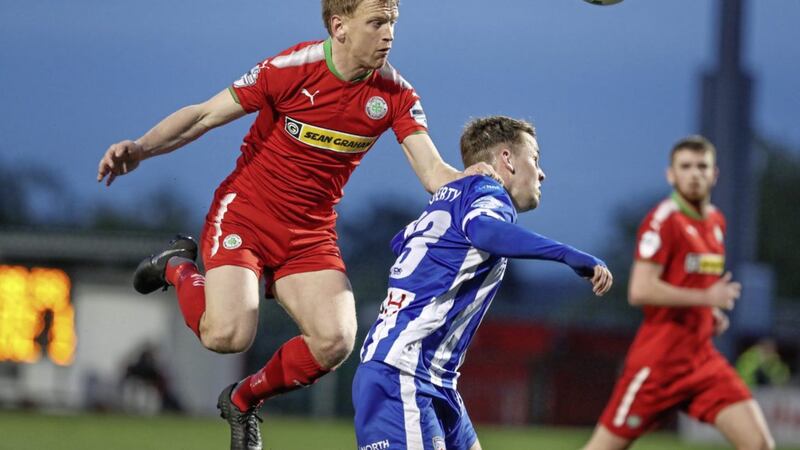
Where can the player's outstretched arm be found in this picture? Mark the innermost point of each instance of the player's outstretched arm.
(647, 288)
(431, 169)
(513, 241)
(175, 131)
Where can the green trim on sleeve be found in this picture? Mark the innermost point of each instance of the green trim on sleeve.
(234, 95)
(685, 207)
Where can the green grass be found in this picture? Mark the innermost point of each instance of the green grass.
(30, 431)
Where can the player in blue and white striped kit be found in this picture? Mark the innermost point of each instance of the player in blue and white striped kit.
(450, 262)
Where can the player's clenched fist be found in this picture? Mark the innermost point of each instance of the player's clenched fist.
(119, 159)
(602, 280)
(724, 292)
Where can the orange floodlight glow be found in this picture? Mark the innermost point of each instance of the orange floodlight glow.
(25, 297)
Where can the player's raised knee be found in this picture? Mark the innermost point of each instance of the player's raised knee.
(331, 350)
(225, 340)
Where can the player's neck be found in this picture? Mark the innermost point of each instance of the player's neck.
(695, 209)
(342, 64)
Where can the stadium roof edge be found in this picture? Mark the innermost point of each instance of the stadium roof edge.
(120, 248)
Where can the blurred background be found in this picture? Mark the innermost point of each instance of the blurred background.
(610, 89)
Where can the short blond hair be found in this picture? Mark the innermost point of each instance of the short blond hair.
(332, 8)
(694, 143)
(481, 135)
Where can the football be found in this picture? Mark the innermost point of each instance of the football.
(603, 2)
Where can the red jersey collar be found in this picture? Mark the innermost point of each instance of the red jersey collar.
(328, 46)
(685, 207)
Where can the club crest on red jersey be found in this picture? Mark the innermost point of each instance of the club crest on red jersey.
(232, 241)
(634, 421)
(377, 108)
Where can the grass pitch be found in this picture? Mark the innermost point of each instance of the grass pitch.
(30, 431)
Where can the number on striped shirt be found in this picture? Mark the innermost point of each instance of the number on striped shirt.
(426, 230)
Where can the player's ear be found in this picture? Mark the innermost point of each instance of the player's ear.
(507, 159)
(670, 176)
(338, 28)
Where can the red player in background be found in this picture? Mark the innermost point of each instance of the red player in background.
(679, 280)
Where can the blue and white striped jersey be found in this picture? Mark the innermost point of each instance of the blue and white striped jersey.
(440, 286)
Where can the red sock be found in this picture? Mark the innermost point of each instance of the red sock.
(291, 367)
(190, 286)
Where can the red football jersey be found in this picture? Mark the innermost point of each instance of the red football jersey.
(312, 130)
(691, 249)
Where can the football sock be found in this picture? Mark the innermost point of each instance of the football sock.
(291, 367)
(190, 286)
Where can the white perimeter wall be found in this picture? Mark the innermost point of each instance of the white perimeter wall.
(112, 323)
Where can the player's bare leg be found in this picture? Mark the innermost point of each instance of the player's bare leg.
(602, 439)
(229, 325)
(221, 308)
(322, 305)
(744, 426)
(230, 321)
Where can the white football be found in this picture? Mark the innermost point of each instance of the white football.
(603, 2)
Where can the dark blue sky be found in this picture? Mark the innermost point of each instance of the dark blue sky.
(609, 89)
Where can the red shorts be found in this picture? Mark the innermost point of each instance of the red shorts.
(644, 397)
(237, 234)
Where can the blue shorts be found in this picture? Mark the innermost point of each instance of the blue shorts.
(398, 411)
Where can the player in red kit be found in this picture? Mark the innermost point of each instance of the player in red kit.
(679, 280)
(321, 106)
